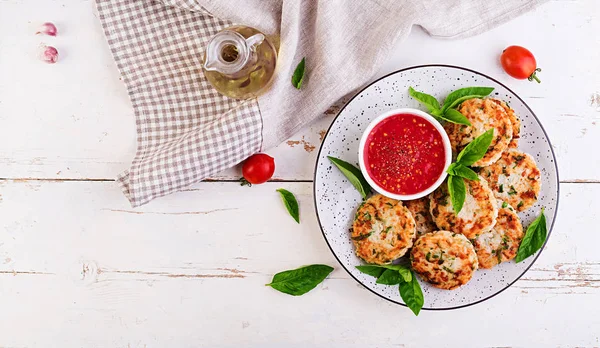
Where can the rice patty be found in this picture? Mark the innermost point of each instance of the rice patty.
(514, 121)
(477, 216)
(484, 114)
(383, 230)
(515, 179)
(446, 260)
(502, 242)
(419, 208)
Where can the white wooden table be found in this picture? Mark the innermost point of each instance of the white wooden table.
(80, 268)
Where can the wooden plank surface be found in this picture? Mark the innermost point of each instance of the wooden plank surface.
(93, 272)
(72, 120)
(80, 268)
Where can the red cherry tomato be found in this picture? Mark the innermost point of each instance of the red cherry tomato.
(519, 63)
(257, 169)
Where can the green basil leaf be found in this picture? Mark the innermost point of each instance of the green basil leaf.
(291, 203)
(372, 270)
(298, 76)
(353, 174)
(390, 277)
(534, 238)
(476, 149)
(454, 116)
(428, 100)
(458, 169)
(457, 191)
(299, 281)
(460, 95)
(412, 294)
(404, 271)
(377, 270)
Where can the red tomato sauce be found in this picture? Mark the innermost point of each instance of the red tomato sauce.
(404, 154)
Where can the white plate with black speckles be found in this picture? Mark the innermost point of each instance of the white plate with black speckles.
(336, 199)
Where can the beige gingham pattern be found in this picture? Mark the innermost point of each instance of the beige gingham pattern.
(186, 131)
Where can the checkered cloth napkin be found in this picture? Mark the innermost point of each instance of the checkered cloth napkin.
(186, 131)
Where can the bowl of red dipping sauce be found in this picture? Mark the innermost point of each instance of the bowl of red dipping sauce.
(404, 154)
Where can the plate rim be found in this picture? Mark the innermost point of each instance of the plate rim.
(474, 72)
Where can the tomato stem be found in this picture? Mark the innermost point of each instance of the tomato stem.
(533, 76)
(244, 182)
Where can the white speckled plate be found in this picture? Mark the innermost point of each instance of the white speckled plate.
(336, 199)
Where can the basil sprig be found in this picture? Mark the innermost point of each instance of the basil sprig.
(299, 281)
(459, 170)
(354, 175)
(412, 294)
(460, 95)
(291, 204)
(298, 76)
(400, 275)
(447, 111)
(534, 238)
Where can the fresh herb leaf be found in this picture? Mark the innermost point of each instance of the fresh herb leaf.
(367, 216)
(520, 205)
(371, 270)
(428, 100)
(291, 203)
(447, 269)
(454, 116)
(402, 270)
(460, 95)
(390, 277)
(412, 294)
(457, 191)
(363, 236)
(458, 169)
(501, 188)
(298, 76)
(476, 149)
(504, 204)
(299, 281)
(534, 238)
(512, 190)
(354, 176)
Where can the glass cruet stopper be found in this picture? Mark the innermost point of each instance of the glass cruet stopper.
(228, 52)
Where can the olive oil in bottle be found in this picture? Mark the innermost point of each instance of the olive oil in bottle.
(239, 62)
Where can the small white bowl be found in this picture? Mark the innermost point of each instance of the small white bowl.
(415, 112)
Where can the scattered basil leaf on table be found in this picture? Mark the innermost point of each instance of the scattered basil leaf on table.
(428, 100)
(476, 149)
(298, 76)
(291, 204)
(534, 238)
(454, 116)
(354, 175)
(299, 281)
(462, 94)
(412, 294)
(457, 191)
(458, 169)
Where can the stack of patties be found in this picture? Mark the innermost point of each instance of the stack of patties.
(448, 248)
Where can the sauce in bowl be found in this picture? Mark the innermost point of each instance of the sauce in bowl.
(404, 154)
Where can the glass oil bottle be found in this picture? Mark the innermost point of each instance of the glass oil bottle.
(239, 62)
